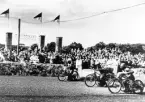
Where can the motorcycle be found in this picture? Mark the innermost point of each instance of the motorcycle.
(100, 77)
(68, 74)
(126, 84)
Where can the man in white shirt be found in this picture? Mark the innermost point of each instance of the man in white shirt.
(2, 58)
(113, 63)
(79, 65)
(34, 59)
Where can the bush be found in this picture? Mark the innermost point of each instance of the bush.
(30, 69)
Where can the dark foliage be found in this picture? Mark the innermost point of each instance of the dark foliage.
(33, 46)
(133, 48)
(50, 47)
(74, 45)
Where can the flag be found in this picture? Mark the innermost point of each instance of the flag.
(57, 19)
(6, 13)
(39, 16)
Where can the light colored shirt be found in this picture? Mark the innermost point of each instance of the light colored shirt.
(2, 58)
(78, 63)
(34, 59)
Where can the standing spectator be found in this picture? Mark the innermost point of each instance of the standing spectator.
(79, 65)
(92, 63)
(2, 58)
(34, 59)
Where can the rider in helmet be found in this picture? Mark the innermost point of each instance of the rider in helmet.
(125, 69)
(71, 67)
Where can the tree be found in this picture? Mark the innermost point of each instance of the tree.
(33, 46)
(50, 47)
(74, 45)
(111, 45)
(90, 49)
(100, 45)
(66, 49)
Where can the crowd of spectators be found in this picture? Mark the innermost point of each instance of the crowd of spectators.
(88, 58)
(81, 59)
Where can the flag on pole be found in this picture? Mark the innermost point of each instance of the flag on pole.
(57, 19)
(39, 16)
(6, 13)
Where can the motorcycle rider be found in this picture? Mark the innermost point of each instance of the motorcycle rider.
(71, 67)
(124, 68)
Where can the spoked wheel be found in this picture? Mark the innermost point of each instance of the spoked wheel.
(90, 80)
(138, 87)
(62, 75)
(114, 86)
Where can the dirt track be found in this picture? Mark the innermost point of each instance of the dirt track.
(48, 89)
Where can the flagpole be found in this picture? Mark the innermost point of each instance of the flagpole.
(58, 32)
(8, 28)
(41, 17)
(58, 24)
(19, 28)
(41, 33)
(8, 15)
(58, 28)
(8, 20)
(8, 23)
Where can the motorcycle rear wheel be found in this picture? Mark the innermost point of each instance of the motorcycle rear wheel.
(62, 76)
(75, 75)
(90, 80)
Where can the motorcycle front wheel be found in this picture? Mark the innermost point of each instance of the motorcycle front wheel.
(114, 86)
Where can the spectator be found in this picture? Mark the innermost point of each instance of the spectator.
(34, 59)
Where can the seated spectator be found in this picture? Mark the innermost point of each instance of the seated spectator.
(34, 59)
(22, 61)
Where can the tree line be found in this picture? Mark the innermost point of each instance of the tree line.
(133, 48)
(50, 47)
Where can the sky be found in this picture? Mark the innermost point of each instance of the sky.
(125, 26)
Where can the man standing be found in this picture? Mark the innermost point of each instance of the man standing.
(79, 65)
